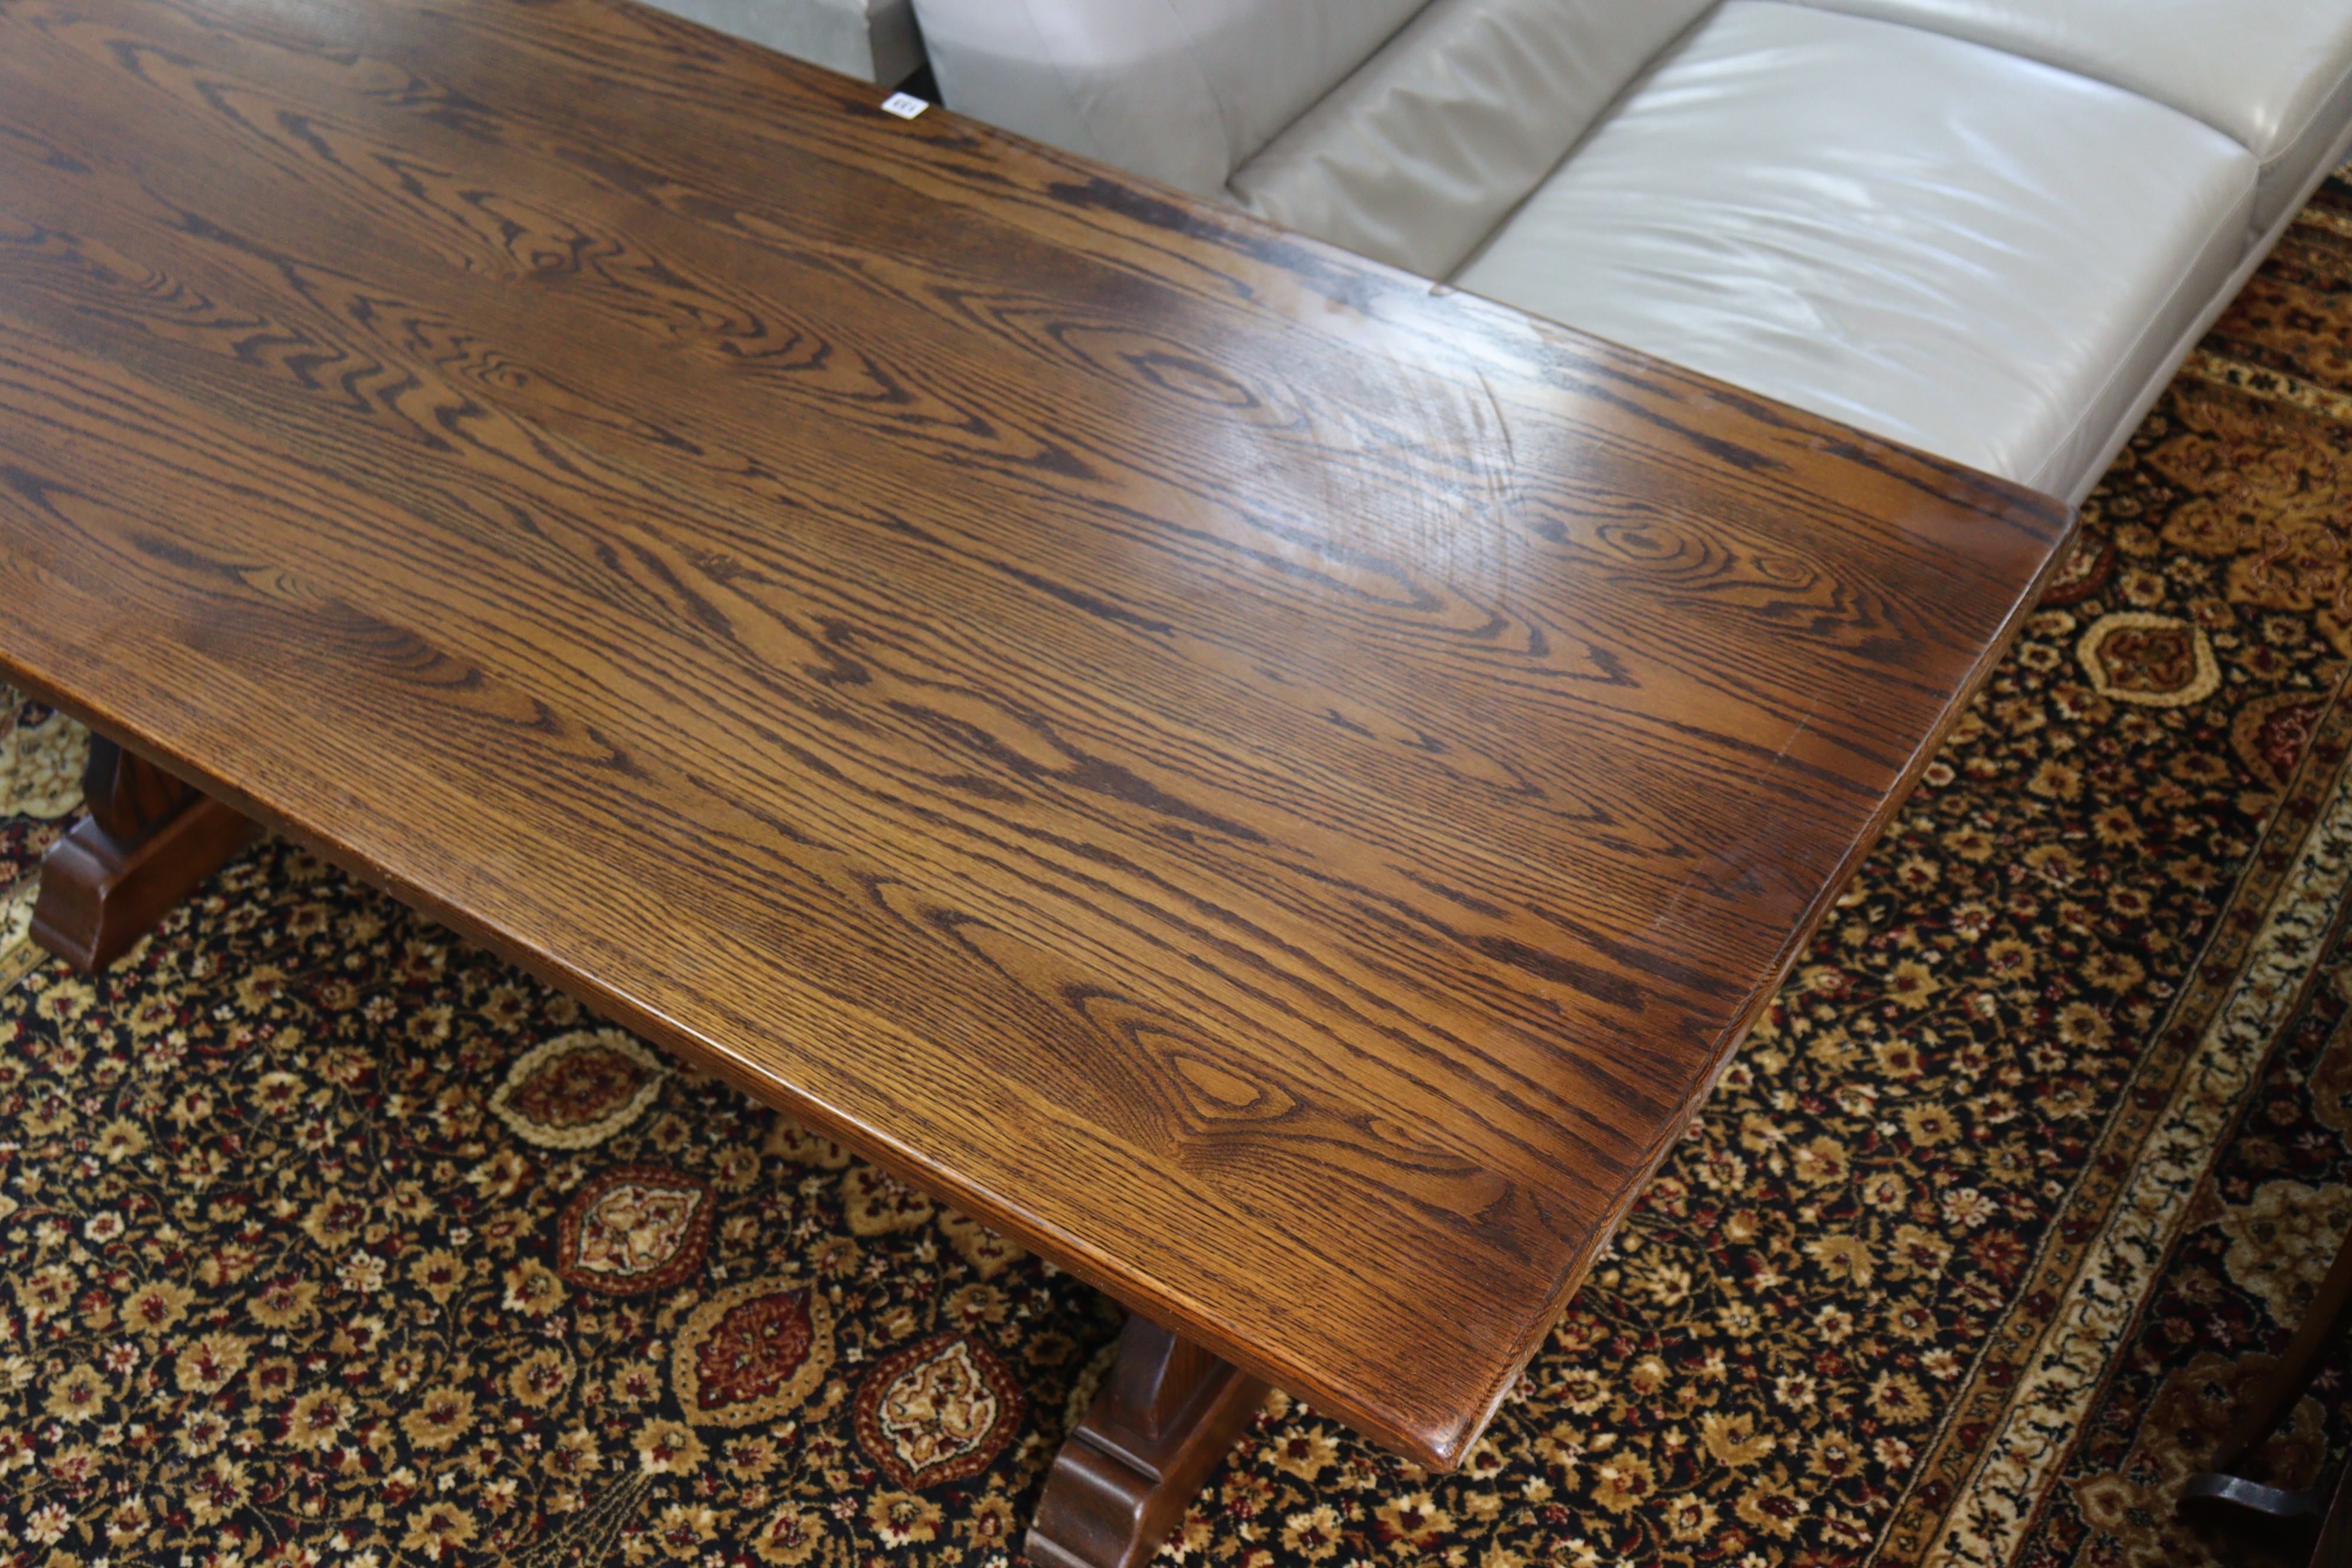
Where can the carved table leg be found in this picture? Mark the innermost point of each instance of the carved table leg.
(1167, 1412)
(148, 841)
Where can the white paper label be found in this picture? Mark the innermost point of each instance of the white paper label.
(905, 105)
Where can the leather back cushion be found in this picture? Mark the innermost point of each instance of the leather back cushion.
(1417, 156)
(1181, 91)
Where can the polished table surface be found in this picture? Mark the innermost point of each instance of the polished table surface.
(1279, 786)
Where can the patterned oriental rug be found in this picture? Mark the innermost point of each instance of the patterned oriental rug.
(326, 1240)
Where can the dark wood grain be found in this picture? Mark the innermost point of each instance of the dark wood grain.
(1280, 787)
(1167, 1413)
(148, 842)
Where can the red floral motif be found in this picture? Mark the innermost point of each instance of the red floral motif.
(2284, 735)
(754, 1351)
(634, 1229)
(2270, 734)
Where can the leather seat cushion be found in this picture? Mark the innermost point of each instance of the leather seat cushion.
(1977, 255)
(2275, 74)
(875, 39)
(1417, 156)
(1180, 90)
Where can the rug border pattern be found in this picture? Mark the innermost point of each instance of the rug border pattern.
(2051, 1387)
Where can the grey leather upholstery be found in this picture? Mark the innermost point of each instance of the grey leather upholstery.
(876, 39)
(2275, 74)
(1181, 91)
(1869, 220)
(1986, 227)
(1416, 157)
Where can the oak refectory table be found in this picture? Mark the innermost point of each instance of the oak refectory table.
(1277, 784)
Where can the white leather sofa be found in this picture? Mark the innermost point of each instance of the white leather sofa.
(1989, 228)
(873, 39)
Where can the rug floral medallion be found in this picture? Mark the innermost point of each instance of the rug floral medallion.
(327, 1239)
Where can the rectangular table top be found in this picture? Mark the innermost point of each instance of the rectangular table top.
(1277, 785)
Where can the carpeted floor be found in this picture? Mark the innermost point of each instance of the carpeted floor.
(327, 1239)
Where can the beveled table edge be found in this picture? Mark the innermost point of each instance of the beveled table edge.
(1441, 1449)
(1438, 1446)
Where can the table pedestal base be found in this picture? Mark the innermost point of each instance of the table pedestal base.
(147, 843)
(1167, 1412)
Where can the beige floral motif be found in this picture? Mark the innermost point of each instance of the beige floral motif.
(901, 1519)
(440, 1417)
(319, 1419)
(802, 1147)
(441, 1530)
(669, 1448)
(938, 1411)
(637, 1228)
(988, 1253)
(2281, 1243)
(790, 1537)
(2258, 500)
(634, 1228)
(683, 1528)
(1734, 1440)
(876, 1202)
(79, 1394)
(156, 1306)
(540, 1377)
